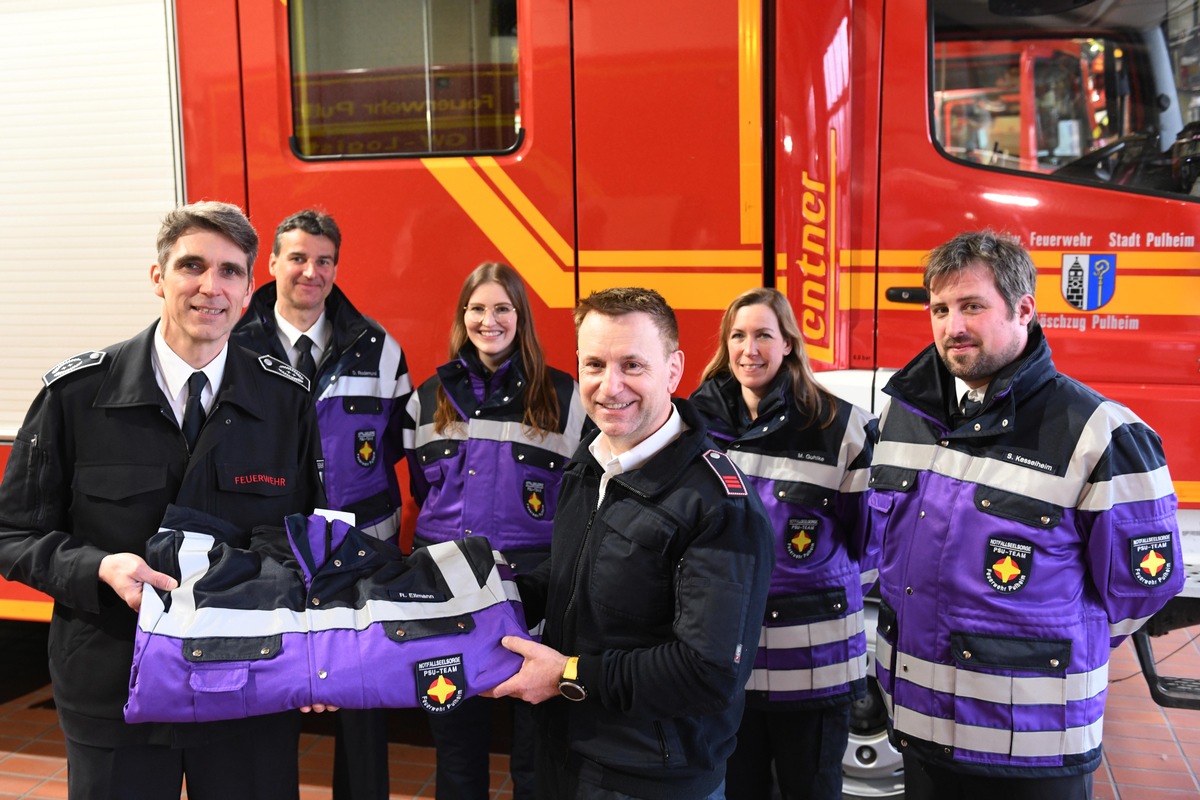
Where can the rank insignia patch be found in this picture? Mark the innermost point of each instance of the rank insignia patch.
(364, 448)
(800, 538)
(1007, 564)
(441, 684)
(535, 498)
(72, 364)
(1152, 559)
(728, 472)
(284, 370)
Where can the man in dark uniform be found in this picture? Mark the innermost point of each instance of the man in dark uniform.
(656, 583)
(360, 383)
(173, 415)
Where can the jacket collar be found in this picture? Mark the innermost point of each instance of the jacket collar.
(662, 470)
(927, 387)
(347, 323)
(130, 378)
(719, 400)
(456, 378)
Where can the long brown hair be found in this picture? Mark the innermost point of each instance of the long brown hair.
(541, 401)
(807, 394)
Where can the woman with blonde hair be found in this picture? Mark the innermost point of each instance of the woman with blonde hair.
(494, 428)
(807, 454)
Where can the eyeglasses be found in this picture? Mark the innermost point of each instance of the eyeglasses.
(476, 313)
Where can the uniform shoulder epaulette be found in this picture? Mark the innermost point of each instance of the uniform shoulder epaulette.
(89, 358)
(277, 366)
(731, 477)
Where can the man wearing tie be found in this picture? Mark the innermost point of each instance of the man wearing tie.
(175, 415)
(359, 377)
(1027, 525)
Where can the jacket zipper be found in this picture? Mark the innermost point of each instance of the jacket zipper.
(662, 743)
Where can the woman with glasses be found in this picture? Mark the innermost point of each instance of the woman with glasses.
(494, 428)
(807, 454)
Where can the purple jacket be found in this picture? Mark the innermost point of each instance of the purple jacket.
(1019, 546)
(360, 389)
(812, 481)
(489, 475)
(318, 613)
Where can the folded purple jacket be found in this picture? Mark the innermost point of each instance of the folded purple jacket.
(316, 612)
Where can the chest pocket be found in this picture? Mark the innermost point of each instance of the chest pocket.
(802, 494)
(632, 574)
(362, 405)
(537, 457)
(116, 482)
(1027, 510)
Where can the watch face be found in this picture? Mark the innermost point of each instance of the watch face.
(571, 690)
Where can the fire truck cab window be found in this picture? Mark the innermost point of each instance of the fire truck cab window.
(1106, 93)
(375, 78)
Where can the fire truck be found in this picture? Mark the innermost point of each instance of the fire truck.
(699, 147)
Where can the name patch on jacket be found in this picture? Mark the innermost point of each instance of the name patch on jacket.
(73, 364)
(441, 684)
(364, 448)
(728, 472)
(535, 498)
(801, 537)
(256, 479)
(1152, 559)
(1008, 564)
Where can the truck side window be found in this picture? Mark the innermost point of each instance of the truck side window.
(1086, 98)
(403, 77)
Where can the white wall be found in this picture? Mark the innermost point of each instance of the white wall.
(89, 164)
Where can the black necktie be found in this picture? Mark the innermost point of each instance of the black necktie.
(193, 412)
(304, 357)
(970, 407)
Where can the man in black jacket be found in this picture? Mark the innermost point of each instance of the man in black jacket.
(174, 415)
(656, 582)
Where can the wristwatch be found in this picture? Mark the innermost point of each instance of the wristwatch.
(569, 685)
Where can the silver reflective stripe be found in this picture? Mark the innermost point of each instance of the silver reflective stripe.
(498, 431)
(386, 386)
(455, 568)
(185, 620)
(1132, 488)
(1020, 744)
(1126, 627)
(1061, 491)
(856, 480)
(814, 633)
(800, 680)
(193, 564)
(883, 651)
(779, 468)
(1003, 689)
(385, 529)
(1071, 490)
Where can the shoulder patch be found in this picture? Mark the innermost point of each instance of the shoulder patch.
(91, 358)
(283, 369)
(731, 477)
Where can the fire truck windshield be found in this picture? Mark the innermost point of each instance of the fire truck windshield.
(1093, 96)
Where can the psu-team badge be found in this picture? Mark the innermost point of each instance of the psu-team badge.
(1008, 563)
(441, 684)
(1151, 558)
(364, 448)
(801, 537)
(535, 498)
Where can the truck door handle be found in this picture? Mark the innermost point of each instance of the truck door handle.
(907, 294)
